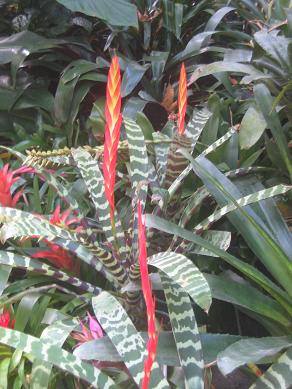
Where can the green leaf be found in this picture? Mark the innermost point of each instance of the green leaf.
(246, 221)
(129, 344)
(56, 356)
(185, 331)
(250, 271)
(252, 127)
(235, 290)
(125, 13)
(131, 77)
(251, 350)
(265, 102)
(184, 273)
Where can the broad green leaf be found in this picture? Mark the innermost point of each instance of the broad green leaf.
(246, 221)
(55, 334)
(251, 350)
(56, 356)
(235, 290)
(131, 77)
(278, 375)
(125, 13)
(129, 344)
(183, 272)
(252, 127)
(265, 102)
(250, 271)
(185, 332)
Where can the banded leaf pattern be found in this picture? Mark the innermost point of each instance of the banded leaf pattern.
(185, 331)
(29, 264)
(128, 342)
(56, 356)
(278, 375)
(196, 125)
(161, 147)
(56, 334)
(25, 224)
(246, 200)
(94, 181)
(219, 142)
(183, 272)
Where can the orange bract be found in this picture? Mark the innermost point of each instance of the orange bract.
(182, 99)
(112, 130)
(149, 300)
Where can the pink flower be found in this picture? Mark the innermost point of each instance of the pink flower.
(94, 331)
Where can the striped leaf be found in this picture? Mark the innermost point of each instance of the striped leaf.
(25, 225)
(56, 356)
(219, 142)
(246, 221)
(278, 375)
(33, 265)
(94, 180)
(185, 331)
(127, 341)
(196, 125)
(221, 239)
(183, 272)
(55, 334)
(250, 271)
(242, 202)
(161, 147)
(138, 172)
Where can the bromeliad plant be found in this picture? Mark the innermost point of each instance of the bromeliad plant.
(109, 247)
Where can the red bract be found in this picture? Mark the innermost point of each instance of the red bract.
(58, 256)
(5, 319)
(112, 130)
(7, 178)
(182, 99)
(149, 300)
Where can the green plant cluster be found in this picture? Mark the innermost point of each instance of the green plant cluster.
(217, 200)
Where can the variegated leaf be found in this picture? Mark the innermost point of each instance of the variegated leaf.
(183, 272)
(29, 264)
(220, 239)
(128, 342)
(196, 125)
(161, 147)
(185, 331)
(242, 202)
(278, 375)
(94, 181)
(55, 334)
(219, 142)
(56, 356)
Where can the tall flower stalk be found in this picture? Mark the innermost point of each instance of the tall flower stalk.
(112, 131)
(182, 99)
(149, 300)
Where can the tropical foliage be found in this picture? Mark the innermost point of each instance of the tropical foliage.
(145, 193)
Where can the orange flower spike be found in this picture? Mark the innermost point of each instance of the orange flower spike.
(149, 300)
(182, 99)
(112, 130)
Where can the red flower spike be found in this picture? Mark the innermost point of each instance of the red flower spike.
(5, 319)
(149, 300)
(182, 99)
(112, 130)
